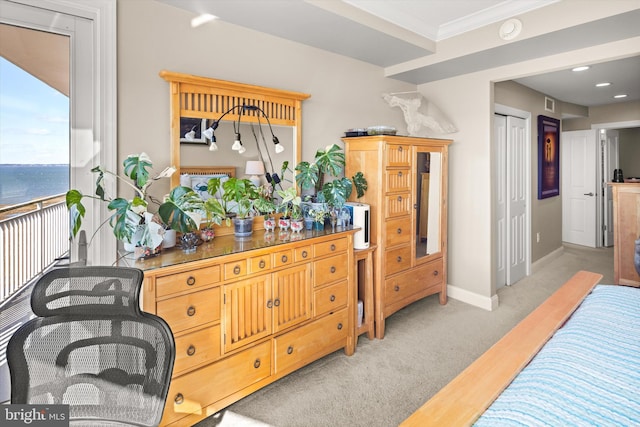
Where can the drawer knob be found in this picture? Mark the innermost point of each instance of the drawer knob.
(290, 349)
(396, 288)
(332, 298)
(276, 302)
(400, 149)
(340, 326)
(262, 264)
(179, 399)
(304, 254)
(399, 259)
(333, 247)
(191, 350)
(399, 198)
(269, 304)
(400, 174)
(435, 273)
(236, 269)
(191, 311)
(191, 281)
(399, 230)
(332, 269)
(284, 258)
(256, 364)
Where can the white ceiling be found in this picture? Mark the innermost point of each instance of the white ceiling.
(387, 33)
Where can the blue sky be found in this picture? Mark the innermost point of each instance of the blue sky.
(34, 119)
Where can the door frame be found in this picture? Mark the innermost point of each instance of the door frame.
(526, 116)
(603, 180)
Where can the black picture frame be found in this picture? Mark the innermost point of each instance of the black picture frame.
(548, 157)
(197, 125)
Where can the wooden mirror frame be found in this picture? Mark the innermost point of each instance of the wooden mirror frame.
(207, 98)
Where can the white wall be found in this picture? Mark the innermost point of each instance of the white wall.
(153, 36)
(468, 100)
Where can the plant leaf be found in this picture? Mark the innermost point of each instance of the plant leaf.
(175, 210)
(73, 200)
(360, 182)
(135, 167)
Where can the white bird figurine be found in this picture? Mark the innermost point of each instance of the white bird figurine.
(419, 115)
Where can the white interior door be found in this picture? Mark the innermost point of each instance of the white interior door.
(578, 181)
(610, 162)
(516, 199)
(511, 199)
(500, 132)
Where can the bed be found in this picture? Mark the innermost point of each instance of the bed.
(575, 360)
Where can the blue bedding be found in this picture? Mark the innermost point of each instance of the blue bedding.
(588, 374)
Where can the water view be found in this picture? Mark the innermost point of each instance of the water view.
(22, 183)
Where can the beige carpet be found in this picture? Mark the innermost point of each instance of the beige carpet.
(425, 346)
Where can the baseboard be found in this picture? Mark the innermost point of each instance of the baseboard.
(539, 264)
(468, 297)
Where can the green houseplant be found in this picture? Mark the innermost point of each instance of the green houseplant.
(239, 197)
(128, 220)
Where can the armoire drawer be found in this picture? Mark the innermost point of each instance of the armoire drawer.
(397, 231)
(299, 347)
(330, 298)
(413, 281)
(397, 205)
(397, 180)
(398, 155)
(193, 279)
(191, 310)
(196, 348)
(330, 269)
(398, 259)
(195, 390)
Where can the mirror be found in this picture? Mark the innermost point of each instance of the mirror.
(428, 187)
(196, 102)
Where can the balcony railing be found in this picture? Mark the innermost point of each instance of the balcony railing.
(33, 235)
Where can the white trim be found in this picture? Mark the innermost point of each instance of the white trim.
(539, 264)
(617, 125)
(477, 300)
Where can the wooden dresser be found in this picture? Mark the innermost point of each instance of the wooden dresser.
(408, 222)
(246, 313)
(626, 230)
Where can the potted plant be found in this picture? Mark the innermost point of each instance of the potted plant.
(182, 211)
(239, 195)
(266, 206)
(318, 214)
(291, 206)
(130, 220)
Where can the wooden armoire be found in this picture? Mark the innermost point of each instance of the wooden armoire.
(626, 230)
(411, 259)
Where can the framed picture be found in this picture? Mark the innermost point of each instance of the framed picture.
(548, 157)
(191, 130)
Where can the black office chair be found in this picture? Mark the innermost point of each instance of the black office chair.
(92, 348)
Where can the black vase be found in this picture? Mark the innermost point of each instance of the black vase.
(636, 256)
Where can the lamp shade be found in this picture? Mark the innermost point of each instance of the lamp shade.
(254, 167)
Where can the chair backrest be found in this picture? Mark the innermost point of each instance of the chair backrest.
(91, 347)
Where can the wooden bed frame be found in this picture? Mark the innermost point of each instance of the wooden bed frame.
(466, 397)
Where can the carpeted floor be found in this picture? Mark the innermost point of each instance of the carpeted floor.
(425, 346)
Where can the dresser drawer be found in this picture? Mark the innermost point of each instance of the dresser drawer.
(397, 180)
(282, 258)
(397, 205)
(398, 259)
(178, 282)
(191, 310)
(417, 279)
(236, 269)
(330, 299)
(330, 247)
(197, 348)
(398, 155)
(330, 269)
(191, 392)
(301, 346)
(259, 263)
(397, 231)
(302, 254)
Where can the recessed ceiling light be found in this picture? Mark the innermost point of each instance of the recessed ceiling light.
(603, 84)
(510, 29)
(622, 95)
(583, 68)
